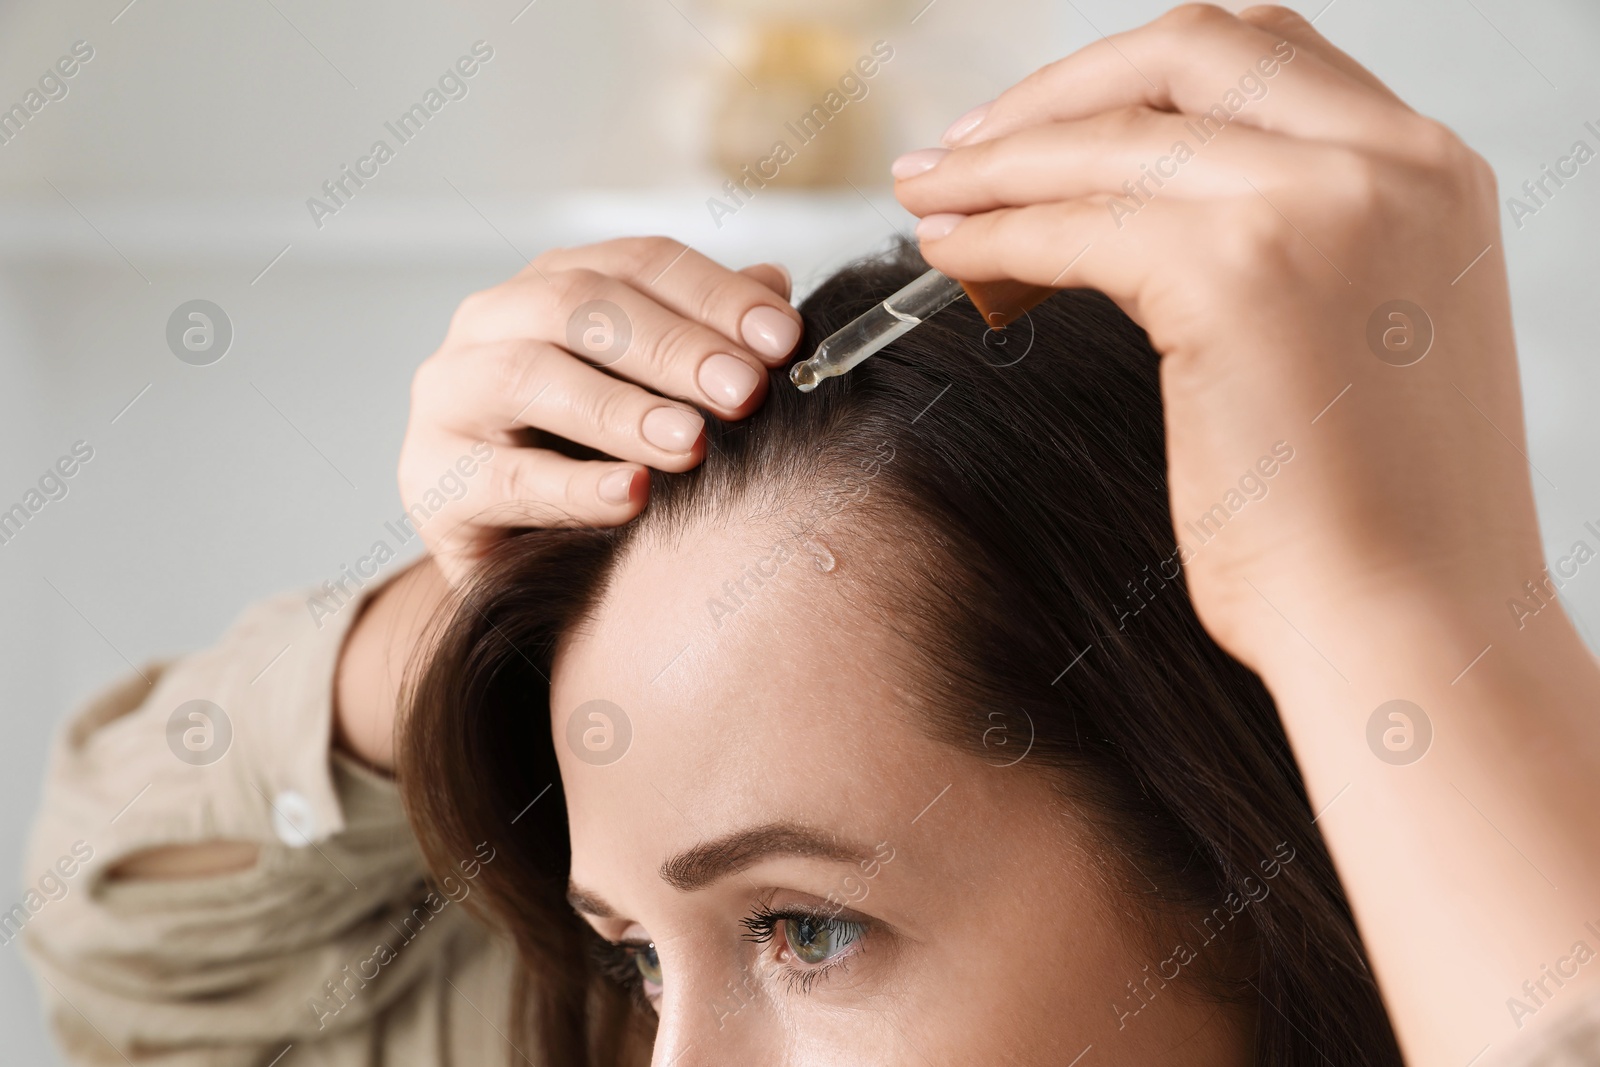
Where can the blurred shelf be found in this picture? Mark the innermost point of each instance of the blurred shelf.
(814, 226)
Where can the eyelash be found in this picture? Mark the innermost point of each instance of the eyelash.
(763, 925)
(616, 963)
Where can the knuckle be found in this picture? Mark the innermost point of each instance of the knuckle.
(1195, 16)
(986, 162)
(533, 495)
(1273, 17)
(406, 474)
(548, 260)
(1480, 172)
(576, 490)
(1434, 143)
(569, 288)
(1250, 238)
(1118, 124)
(674, 343)
(507, 483)
(1359, 178)
(706, 296)
(649, 255)
(513, 368)
(424, 379)
(608, 411)
(1464, 175)
(473, 307)
(660, 248)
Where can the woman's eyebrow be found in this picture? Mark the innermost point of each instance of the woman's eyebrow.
(705, 863)
(588, 903)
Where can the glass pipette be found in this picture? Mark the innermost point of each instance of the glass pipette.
(869, 332)
(998, 302)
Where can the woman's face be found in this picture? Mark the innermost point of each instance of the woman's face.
(821, 882)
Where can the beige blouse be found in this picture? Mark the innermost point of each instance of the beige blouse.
(333, 950)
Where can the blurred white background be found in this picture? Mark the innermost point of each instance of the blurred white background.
(179, 164)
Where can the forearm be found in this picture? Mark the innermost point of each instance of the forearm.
(1471, 868)
(377, 653)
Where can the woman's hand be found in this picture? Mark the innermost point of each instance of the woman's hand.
(671, 329)
(1321, 270)
(1253, 198)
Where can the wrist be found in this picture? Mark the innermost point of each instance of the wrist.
(383, 643)
(1486, 699)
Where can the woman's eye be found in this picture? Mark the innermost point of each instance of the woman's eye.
(816, 941)
(648, 962)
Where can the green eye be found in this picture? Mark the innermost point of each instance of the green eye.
(648, 963)
(816, 941)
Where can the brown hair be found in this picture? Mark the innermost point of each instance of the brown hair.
(1030, 477)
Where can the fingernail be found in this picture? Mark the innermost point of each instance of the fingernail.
(672, 429)
(919, 162)
(769, 331)
(933, 227)
(728, 380)
(965, 124)
(617, 487)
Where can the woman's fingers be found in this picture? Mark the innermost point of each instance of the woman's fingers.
(1200, 60)
(606, 321)
(535, 384)
(525, 487)
(774, 276)
(612, 347)
(538, 487)
(1067, 244)
(1132, 154)
(743, 309)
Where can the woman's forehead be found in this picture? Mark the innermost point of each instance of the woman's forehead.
(742, 599)
(723, 619)
(724, 658)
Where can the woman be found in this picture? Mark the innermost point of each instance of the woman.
(788, 807)
(899, 636)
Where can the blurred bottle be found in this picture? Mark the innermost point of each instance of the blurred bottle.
(815, 119)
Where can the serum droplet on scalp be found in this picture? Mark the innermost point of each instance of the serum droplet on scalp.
(822, 556)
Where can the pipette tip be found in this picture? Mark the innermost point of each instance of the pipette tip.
(804, 376)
